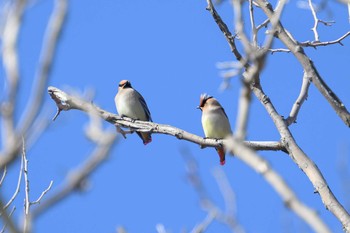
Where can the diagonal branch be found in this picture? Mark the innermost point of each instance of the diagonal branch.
(290, 199)
(304, 162)
(4, 173)
(52, 35)
(15, 194)
(228, 35)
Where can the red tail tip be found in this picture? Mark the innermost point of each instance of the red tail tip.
(146, 142)
(221, 153)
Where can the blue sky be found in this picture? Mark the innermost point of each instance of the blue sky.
(168, 50)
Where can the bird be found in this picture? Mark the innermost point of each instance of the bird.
(214, 121)
(130, 103)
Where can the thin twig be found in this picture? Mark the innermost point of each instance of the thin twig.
(203, 226)
(325, 43)
(14, 195)
(314, 44)
(4, 173)
(7, 218)
(314, 29)
(299, 101)
(42, 194)
(263, 24)
(226, 191)
(317, 21)
(237, 7)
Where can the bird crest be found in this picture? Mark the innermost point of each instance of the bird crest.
(204, 97)
(124, 83)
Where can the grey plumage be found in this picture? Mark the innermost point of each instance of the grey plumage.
(130, 103)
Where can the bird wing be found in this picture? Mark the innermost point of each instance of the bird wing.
(223, 110)
(144, 106)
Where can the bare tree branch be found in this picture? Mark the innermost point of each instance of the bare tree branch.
(67, 102)
(240, 28)
(202, 226)
(314, 44)
(53, 32)
(4, 173)
(11, 65)
(304, 162)
(9, 153)
(294, 151)
(308, 65)
(37, 201)
(319, 43)
(228, 35)
(257, 57)
(229, 197)
(317, 21)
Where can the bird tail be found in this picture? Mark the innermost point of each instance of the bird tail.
(221, 152)
(146, 137)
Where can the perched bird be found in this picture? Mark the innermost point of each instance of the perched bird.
(130, 103)
(214, 121)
